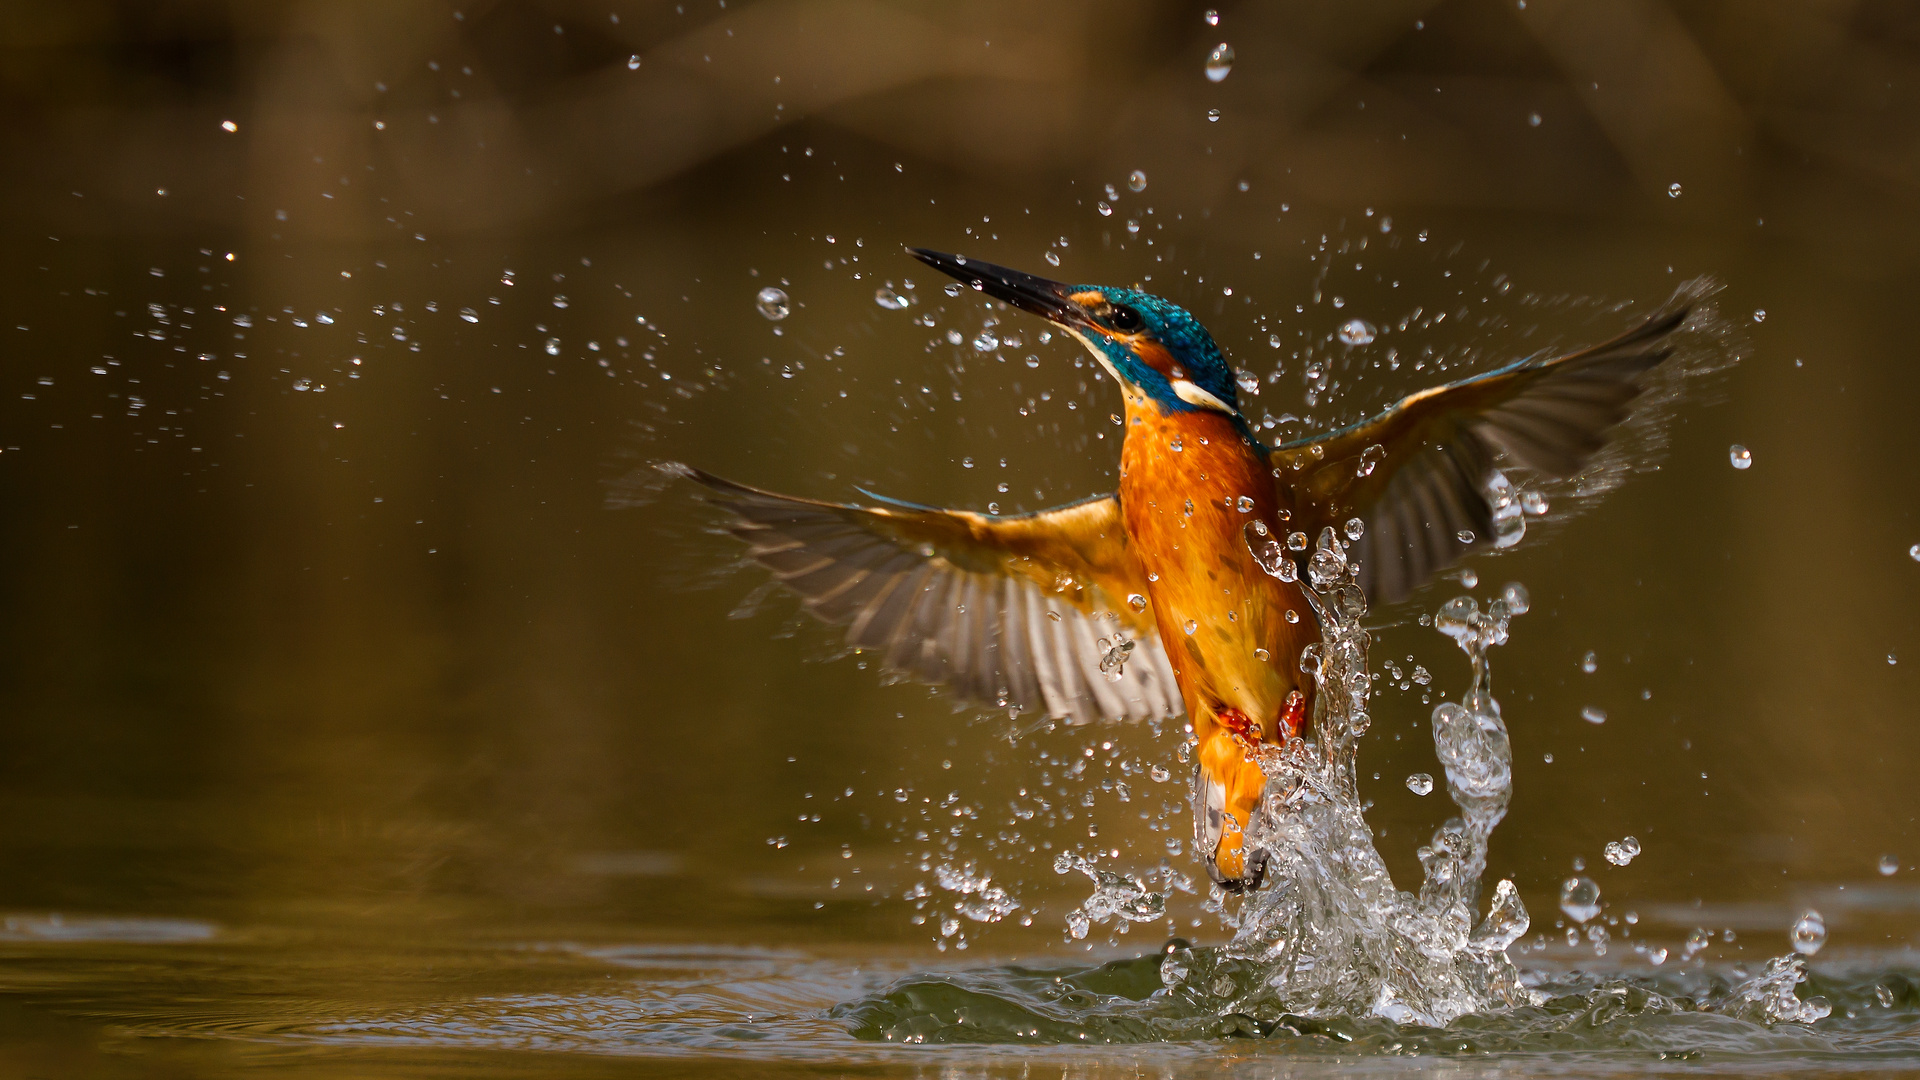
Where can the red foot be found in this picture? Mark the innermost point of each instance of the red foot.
(1294, 716)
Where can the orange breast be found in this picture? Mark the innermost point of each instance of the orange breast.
(1189, 485)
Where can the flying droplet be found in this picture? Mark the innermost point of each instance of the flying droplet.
(1213, 116)
(469, 315)
(986, 342)
(1357, 332)
(1914, 552)
(1159, 773)
(633, 62)
(889, 299)
(1515, 596)
(1740, 456)
(1809, 934)
(1621, 852)
(1533, 119)
(1219, 62)
(1465, 536)
(1137, 602)
(553, 346)
(1589, 663)
(1593, 714)
(773, 304)
(1247, 381)
(1137, 181)
(1356, 528)
(1420, 784)
(1759, 314)
(1580, 898)
(1889, 865)
(1213, 18)
(1053, 258)
(1673, 191)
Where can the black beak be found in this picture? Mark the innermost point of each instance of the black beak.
(1047, 299)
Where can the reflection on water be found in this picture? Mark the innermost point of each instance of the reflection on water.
(498, 1002)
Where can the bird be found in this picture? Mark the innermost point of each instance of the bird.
(1148, 601)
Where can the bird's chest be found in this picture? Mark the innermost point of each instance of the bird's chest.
(1189, 486)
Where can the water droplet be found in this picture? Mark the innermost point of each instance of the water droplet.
(887, 298)
(1159, 774)
(1190, 626)
(1357, 332)
(1136, 181)
(553, 346)
(633, 62)
(1137, 602)
(469, 315)
(1889, 865)
(1244, 504)
(985, 342)
(1213, 18)
(1177, 445)
(1053, 258)
(1296, 541)
(1262, 655)
(1593, 714)
(303, 384)
(1759, 314)
(1533, 503)
(560, 301)
(1533, 119)
(1673, 191)
(1293, 616)
(1589, 663)
(1809, 934)
(1514, 595)
(1356, 528)
(1213, 116)
(1247, 381)
(1914, 553)
(772, 303)
(1580, 898)
(1420, 784)
(1219, 62)
(1740, 456)
(1465, 536)
(1621, 852)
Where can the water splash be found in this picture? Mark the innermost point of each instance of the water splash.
(1331, 934)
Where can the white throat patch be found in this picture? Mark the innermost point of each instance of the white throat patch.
(1184, 389)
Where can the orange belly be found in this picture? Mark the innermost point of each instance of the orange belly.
(1189, 485)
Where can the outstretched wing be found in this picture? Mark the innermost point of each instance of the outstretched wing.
(1007, 611)
(1426, 476)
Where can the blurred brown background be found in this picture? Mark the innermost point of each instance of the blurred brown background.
(401, 641)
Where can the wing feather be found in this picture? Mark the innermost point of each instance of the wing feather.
(1446, 451)
(1002, 610)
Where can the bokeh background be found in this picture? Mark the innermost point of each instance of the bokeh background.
(339, 336)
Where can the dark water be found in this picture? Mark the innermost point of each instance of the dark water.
(368, 708)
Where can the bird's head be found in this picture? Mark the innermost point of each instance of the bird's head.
(1152, 346)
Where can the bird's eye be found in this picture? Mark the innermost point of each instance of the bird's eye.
(1123, 318)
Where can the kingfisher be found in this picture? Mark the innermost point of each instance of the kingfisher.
(1149, 602)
